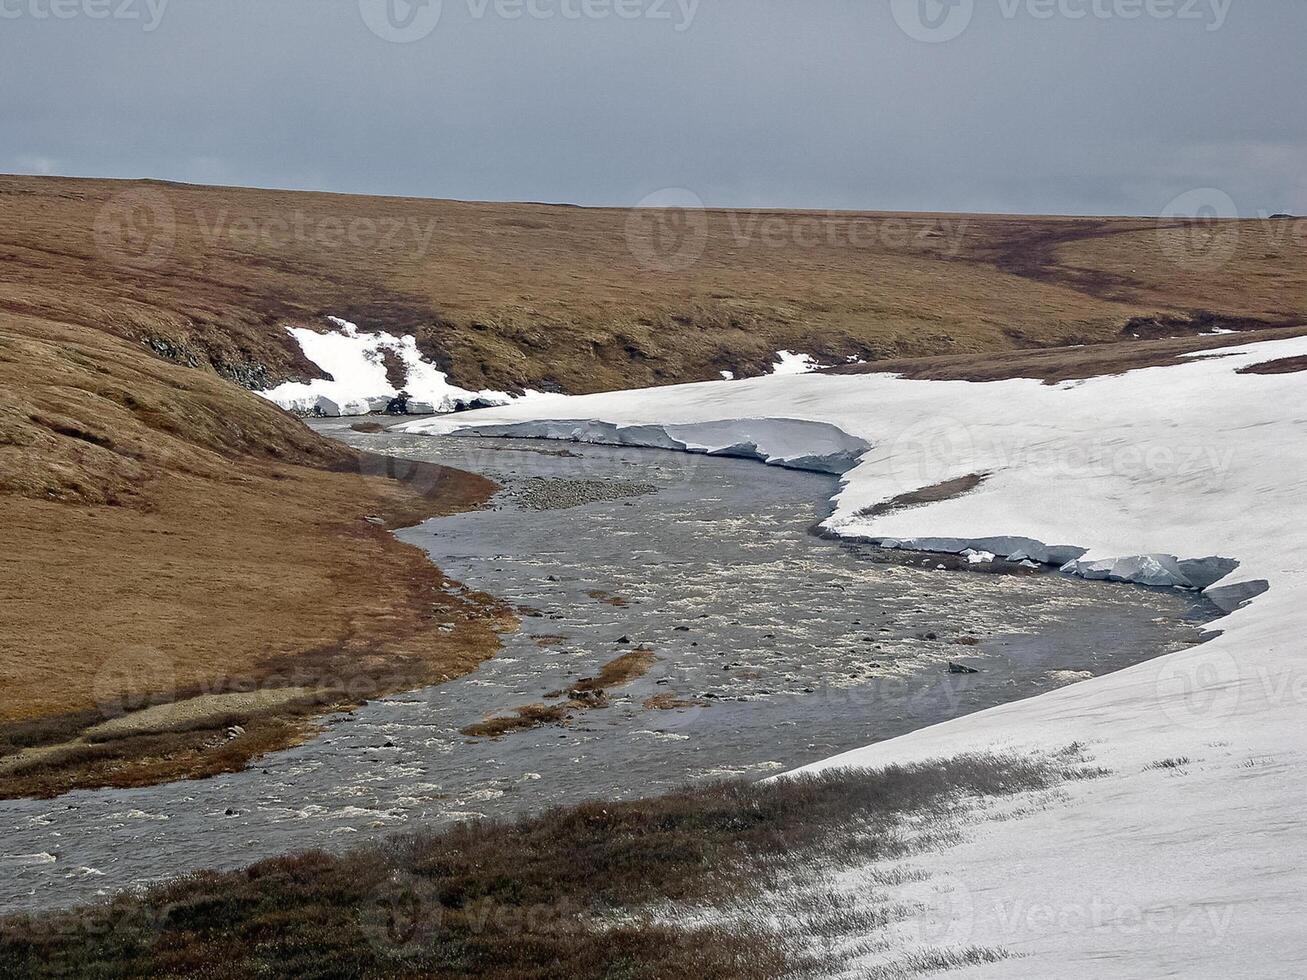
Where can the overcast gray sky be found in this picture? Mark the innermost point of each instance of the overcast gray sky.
(1064, 106)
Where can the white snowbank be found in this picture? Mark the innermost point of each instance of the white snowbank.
(1163, 474)
(355, 361)
(789, 363)
(792, 443)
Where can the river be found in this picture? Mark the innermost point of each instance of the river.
(774, 646)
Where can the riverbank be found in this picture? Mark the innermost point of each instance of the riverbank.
(684, 883)
(702, 649)
(1189, 472)
(198, 649)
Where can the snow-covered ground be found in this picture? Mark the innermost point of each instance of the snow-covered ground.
(357, 382)
(790, 363)
(1169, 474)
(355, 360)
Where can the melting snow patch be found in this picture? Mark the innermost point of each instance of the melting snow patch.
(790, 363)
(358, 382)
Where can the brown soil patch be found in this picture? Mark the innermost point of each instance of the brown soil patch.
(927, 495)
(584, 695)
(671, 702)
(1284, 365)
(1065, 363)
(396, 372)
(528, 716)
(619, 672)
(1196, 324)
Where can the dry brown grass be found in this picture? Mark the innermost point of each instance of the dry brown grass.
(671, 702)
(946, 490)
(561, 895)
(1250, 267)
(1283, 365)
(523, 718)
(166, 534)
(586, 694)
(1065, 363)
(516, 294)
(271, 579)
(619, 672)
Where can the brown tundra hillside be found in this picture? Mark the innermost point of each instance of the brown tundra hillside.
(169, 538)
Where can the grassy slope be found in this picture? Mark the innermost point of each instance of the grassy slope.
(1072, 363)
(165, 531)
(512, 294)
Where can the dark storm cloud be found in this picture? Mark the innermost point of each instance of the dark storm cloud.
(1103, 106)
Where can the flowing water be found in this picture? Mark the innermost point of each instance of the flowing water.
(774, 648)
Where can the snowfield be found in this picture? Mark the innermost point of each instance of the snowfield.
(355, 361)
(1190, 475)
